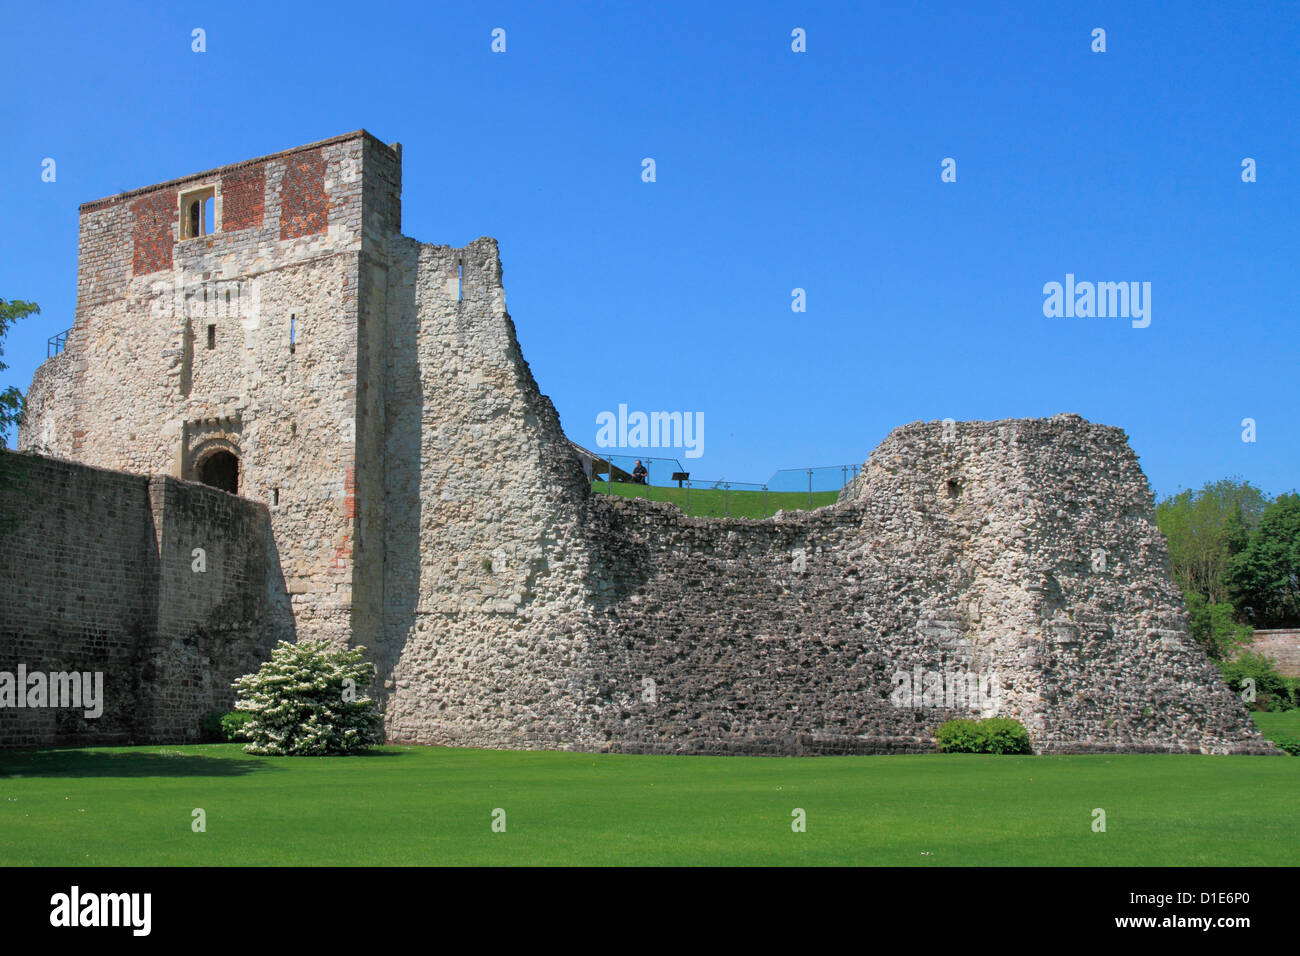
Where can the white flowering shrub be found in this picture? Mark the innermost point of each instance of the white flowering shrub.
(309, 699)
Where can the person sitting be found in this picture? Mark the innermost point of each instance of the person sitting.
(639, 473)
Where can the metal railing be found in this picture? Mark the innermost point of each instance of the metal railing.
(823, 478)
(789, 489)
(56, 343)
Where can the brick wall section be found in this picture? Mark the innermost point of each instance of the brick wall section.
(304, 208)
(78, 563)
(243, 198)
(1283, 646)
(154, 229)
(98, 576)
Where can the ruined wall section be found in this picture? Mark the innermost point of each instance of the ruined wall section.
(973, 551)
(46, 421)
(1117, 664)
(100, 577)
(484, 558)
(759, 637)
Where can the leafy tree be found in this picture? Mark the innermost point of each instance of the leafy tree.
(1205, 529)
(308, 699)
(1214, 626)
(1264, 577)
(11, 400)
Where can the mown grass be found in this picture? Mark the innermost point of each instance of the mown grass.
(419, 806)
(1279, 726)
(720, 502)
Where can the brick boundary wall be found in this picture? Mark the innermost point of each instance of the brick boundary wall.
(1282, 645)
(98, 572)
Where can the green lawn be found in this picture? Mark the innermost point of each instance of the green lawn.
(722, 503)
(1286, 722)
(418, 805)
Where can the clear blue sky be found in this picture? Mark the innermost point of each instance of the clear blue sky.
(775, 170)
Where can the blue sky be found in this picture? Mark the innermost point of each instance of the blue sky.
(775, 170)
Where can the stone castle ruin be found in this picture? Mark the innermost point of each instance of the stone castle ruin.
(400, 482)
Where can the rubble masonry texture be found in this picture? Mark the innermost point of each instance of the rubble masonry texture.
(420, 499)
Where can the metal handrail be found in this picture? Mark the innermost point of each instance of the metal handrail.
(56, 343)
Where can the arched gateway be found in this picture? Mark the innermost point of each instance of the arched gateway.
(220, 469)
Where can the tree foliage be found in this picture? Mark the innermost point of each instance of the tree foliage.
(1205, 529)
(1264, 576)
(1214, 626)
(11, 399)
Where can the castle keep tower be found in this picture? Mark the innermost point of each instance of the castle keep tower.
(265, 328)
(218, 338)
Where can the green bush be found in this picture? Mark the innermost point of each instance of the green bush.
(992, 735)
(218, 727)
(309, 699)
(233, 724)
(1272, 690)
(1287, 743)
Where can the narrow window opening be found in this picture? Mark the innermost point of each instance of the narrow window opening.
(193, 229)
(460, 281)
(209, 216)
(293, 331)
(212, 336)
(275, 496)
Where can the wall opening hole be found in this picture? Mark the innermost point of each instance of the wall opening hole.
(212, 336)
(275, 496)
(220, 470)
(954, 488)
(293, 332)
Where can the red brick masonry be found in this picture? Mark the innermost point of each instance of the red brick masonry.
(154, 219)
(304, 209)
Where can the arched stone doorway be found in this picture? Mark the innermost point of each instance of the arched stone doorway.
(220, 469)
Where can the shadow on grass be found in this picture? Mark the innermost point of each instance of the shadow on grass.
(161, 762)
(74, 762)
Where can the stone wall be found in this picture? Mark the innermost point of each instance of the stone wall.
(1023, 550)
(1282, 645)
(98, 572)
(484, 557)
(521, 611)
(424, 502)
